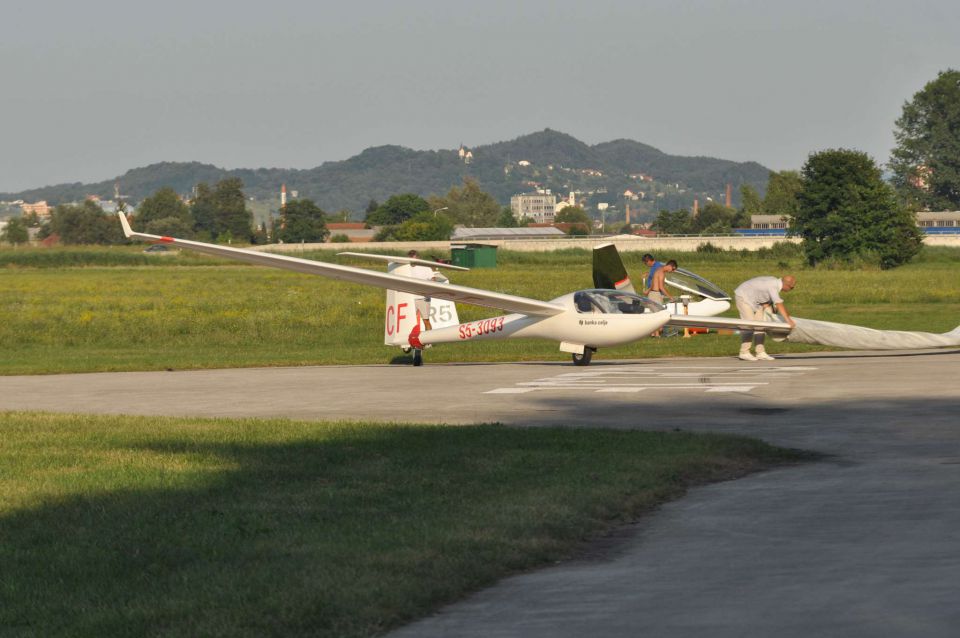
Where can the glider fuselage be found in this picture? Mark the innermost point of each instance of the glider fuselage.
(623, 318)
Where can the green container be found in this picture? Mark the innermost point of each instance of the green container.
(473, 255)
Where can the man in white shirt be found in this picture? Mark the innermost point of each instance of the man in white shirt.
(423, 272)
(751, 296)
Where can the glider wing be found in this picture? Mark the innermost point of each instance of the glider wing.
(459, 294)
(776, 328)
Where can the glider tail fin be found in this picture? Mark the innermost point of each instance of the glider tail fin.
(406, 313)
(609, 271)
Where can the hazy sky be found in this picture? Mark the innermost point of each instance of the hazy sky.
(90, 89)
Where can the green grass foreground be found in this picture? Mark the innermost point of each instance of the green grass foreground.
(144, 526)
(87, 310)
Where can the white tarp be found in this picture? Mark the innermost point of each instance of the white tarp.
(843, 335)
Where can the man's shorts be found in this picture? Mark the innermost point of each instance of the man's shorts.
(747, 311)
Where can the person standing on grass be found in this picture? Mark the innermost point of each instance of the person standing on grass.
(657, 290)
(653, 265)
(751, 296)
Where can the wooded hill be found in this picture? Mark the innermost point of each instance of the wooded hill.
(556, 161)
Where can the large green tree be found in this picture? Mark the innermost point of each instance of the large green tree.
(926, 160)
(397, 209)
(424, 226)
(232, 219)
(781, 196)
(469, 205)
(750, 202)
(204, 210)
(301, 221)
(221, 212)
(506, 219)
(673, 222)
(15, 232)
(715, 218)
(577, 218)
(163, 204)
(846, 211)
(85, 223)
(169, 226)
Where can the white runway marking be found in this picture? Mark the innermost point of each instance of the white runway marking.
(510, 390)
(632, 379)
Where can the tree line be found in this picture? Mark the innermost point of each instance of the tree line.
(838, 203)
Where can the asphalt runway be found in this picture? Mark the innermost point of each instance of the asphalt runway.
(864, 543)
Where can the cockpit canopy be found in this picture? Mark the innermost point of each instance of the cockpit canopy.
(695, 284)
(613, 302)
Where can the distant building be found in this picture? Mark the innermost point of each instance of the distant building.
(523, 163)
(943, 219)
(539, 207)
(768, 222)
(355, 231)
(462, 233)
(41, 208)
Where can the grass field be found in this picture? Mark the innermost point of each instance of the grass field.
(137, 526)
(81, 310)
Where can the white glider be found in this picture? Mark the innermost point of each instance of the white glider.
(581, 321)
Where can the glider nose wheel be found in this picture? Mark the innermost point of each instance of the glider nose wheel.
(583, 359)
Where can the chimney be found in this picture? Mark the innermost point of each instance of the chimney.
(696, 207)
(627, 206)
(283, 195)
(729, 195)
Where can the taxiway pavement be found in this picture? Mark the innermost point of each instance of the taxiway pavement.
(864, 543)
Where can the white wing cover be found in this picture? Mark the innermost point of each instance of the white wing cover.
(843, 335)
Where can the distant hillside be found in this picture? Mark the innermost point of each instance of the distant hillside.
(556, 160)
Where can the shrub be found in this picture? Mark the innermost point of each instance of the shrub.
(708, 247)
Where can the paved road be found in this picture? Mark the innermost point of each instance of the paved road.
(866, 543)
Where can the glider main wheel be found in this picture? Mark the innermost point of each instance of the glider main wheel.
(583, 359)
(417, 357)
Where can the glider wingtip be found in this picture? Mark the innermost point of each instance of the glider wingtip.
(127, 231)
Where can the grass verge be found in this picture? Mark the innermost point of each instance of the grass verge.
(171, 526)
(184, 314)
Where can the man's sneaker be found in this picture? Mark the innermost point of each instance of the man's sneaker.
(763, 356)
(747, 356)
